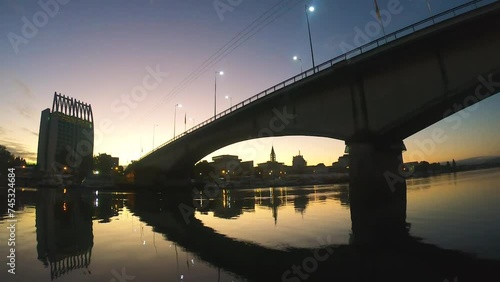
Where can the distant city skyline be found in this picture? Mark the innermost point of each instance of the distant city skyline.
(103, 54)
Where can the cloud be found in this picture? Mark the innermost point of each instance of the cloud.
(25, 89)
(18, 149)
(25, 110)
(30, 131)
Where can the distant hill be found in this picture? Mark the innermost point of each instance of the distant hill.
(478, 161)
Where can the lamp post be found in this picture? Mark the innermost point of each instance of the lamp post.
(154, 136)
(215, 93)
(310, 9)
(230, 101)
(295, 58)
(175, 112)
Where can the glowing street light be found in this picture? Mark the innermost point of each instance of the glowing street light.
(215, 94)
(310, 9)
(175, 112)
(230, 101)
(295, 58)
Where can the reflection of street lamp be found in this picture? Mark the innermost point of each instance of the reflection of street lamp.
(154, 136)
(175, 112)
(215, 94)
(295, 58)
(310, 9)
(230, 101)
(192, 122)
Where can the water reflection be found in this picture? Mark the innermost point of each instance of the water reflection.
(403, 256)
(64, 231)
(147, 229)
(230, 204)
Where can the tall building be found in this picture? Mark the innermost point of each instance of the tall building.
(298, 162)
(66, 137)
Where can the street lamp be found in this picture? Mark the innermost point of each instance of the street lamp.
(230, 101)
(215, 94)
(295, 58)
(154, 136)
(310, 9)
(175, 112)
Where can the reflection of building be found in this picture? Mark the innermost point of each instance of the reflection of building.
(66, 136)
(63, 232)
(271, 167)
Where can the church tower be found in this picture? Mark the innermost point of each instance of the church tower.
(273, 155)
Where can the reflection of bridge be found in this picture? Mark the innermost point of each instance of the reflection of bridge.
(372, 97)
(399, 257)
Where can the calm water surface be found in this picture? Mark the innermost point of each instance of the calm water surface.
(74, 235)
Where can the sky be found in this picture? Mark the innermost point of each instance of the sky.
(100, 52)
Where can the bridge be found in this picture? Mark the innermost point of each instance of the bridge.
(372, 97)
(385, 90)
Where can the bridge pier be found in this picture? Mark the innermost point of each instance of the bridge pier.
(155, 177)
(377, 190)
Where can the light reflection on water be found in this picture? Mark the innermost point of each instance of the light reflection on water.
(84, 236)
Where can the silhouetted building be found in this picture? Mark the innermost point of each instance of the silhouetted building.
(272, 167)
(320, 168)
(231, 165)
(246, 168)
(66, 136)
(342, 164)
(105, 163)
(225, 163)
(298, 163)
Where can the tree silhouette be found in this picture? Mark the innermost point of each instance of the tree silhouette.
(18, 161)
(5, 159)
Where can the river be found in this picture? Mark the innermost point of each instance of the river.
(249, 234)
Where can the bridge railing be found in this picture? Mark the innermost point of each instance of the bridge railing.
(446, 15)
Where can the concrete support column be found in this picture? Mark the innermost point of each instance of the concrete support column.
(377, 190)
